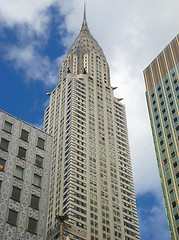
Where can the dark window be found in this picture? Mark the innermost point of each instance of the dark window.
(12, 217)
(34, 202)
(176, 216)
(4, 144)
(175, 81)
(160, 134)
(39, 161)
(19, 172)
(160, 95)
(155, 109)
(161, 143)
(166, 81)
(154, 102)
(159, 88)
(173, 204)
(41, 143)
(175, 164)
(177, 127)
(37, 180)
(173, 111)
(163, 110)
(169, 181)
(7, 127)
(165, 161)
(177, 88)
(168, 88)
(169, 96)
(169, 135)
(2, 164)
(24, 135)
(152, 95)
(165, 118)
(175, 119)
(171, 103)
(32, 226)
(156, 117)
(16, 192)
(158, 125)
(162, 103)
(173, 74)
(22, 152)
(173, 154)
(177, 174)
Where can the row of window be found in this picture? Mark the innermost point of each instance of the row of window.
(24, 134)
(12, 219)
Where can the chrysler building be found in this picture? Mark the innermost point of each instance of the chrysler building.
(91, 175)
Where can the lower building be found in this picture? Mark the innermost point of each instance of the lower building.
(25, 158)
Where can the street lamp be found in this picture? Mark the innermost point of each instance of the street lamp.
(61, 219)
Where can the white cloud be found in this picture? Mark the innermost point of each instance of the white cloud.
(153, 222)
(34, 66)
(26, 14)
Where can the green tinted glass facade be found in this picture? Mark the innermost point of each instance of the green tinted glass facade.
(162, 93)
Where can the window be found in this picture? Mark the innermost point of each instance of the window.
(173, 204)
(37, 180)
(166, 81)
(175, 164)
(41, 143)
(4, 144)
(159, 88)
(34, 202)
(12, 217)
(173, 111)
(39, 161)
(156, 117)
(16, 192)
(165, 118)
(2, 164)
(168, 88)
(32, 226)
(22, 152)
(176, 216)
(19, 172)
(177, 174)
(169, 181)
(7, 126)
(169, 96)
(24, 135)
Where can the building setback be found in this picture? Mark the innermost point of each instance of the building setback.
(91, 174)
(25, 157)
(162, 93)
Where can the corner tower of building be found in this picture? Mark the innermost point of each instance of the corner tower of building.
(91, 174)
(82, 54)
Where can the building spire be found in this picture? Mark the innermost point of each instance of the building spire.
(84, 24)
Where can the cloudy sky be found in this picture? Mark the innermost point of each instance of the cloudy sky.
(34, 38)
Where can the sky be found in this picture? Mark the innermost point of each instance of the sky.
(34, 38)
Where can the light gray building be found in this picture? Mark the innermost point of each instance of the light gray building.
(91, 174)
(25, 158)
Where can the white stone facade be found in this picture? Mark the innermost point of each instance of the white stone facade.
(26, 195)
(91, 175)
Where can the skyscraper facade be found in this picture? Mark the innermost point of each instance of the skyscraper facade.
(25, 156)
(162, 93)
(91, 175)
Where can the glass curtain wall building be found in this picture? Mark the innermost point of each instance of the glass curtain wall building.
(162, 93)
(91, 174)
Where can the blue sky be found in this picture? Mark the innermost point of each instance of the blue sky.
(34, 38)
